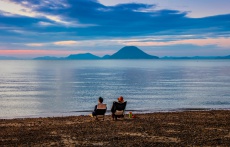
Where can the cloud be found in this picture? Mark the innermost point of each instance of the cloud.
(35, 53)
(196, 10)
(89, 18)
(221, 42)
(50, 23)
(42, 23)
(66, 43)
(35, 44)
(15, 9)
(28, 9)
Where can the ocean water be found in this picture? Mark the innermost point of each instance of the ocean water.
(31, 88)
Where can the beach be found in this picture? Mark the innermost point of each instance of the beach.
(185, 128)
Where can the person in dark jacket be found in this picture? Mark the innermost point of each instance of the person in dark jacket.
(113, 109)
(100, 101)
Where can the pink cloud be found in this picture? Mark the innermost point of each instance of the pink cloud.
(66, 43)
(35, 53)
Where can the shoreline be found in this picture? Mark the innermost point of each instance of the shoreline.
(87, 112)
(179, 128)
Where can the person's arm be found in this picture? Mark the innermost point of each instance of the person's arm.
(112, 109)
(95, 109)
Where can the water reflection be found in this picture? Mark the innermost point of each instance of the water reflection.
(54, 88)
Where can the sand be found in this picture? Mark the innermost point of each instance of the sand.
(187, 128)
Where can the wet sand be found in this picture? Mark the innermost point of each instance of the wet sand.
(187, 128)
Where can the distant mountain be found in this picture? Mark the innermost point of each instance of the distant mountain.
(131, 52)
(224, 57)
(47, 58)
(86, 56)
(8, 58)
(106, 57)
(127, 52)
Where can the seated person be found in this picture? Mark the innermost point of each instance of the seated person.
(118, 108)
(100, 105)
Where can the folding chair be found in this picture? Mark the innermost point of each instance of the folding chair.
(119, 110)
(101, 110)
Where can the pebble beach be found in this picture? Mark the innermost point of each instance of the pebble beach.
(186, 128)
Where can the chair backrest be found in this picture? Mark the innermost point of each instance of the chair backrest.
(119, 106)
(101, 106)
(101, 109)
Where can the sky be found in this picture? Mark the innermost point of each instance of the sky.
(33, 28)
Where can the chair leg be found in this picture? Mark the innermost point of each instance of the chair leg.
(113, 116)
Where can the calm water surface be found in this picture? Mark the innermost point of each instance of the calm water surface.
(61, 88)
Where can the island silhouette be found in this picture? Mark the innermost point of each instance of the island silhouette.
(127, 52)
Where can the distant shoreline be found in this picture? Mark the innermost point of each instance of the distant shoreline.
(108, 113)
(114, 59)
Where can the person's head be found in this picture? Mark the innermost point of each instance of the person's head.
(120, 99)
(100, 99)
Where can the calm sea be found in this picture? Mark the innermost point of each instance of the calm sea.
(60, 88)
